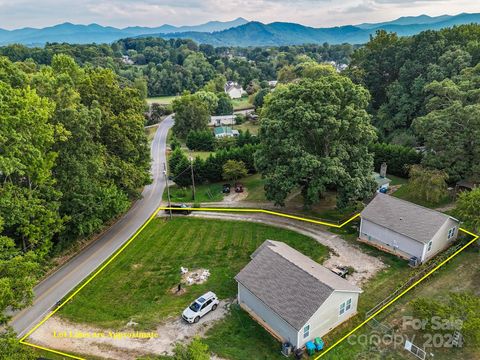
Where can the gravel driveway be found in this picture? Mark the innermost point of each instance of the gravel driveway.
(342, 253)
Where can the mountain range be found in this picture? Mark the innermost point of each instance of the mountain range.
(238, 32)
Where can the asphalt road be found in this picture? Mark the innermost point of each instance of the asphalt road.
(62, 281)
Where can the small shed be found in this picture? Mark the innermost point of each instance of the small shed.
(293, 297)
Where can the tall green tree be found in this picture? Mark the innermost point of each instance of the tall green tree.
(314, 134)
(451, 128)
(191, 114)
(468, 208)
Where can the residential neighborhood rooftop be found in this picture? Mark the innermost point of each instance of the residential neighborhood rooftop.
(409, 219)
(290, 283)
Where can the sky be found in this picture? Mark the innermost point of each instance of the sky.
(121, 13)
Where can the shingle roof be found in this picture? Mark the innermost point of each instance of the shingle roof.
(290, 283)
(403, 217)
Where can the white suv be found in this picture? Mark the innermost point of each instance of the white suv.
(204, 304)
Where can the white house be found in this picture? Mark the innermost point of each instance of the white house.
(234, 90)
(293, 297)
(222, 120)
(406, 229)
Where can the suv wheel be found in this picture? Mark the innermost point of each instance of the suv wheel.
(197, 319)
(214, 307)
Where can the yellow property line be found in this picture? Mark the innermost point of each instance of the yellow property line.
(22, 340)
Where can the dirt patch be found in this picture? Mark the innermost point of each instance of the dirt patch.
(234, 197)
(125, 344)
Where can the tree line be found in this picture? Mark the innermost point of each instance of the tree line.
(424, 92)
(73, 155)
(170, 67)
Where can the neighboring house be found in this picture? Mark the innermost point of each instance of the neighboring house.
(126, 60)
(293, 297)
(406, 229)
(222, 120)
(272, 83)
(225, 131)
(383, 183)
(234, 90)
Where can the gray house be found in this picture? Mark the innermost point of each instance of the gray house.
(293, 297)
(406, 229)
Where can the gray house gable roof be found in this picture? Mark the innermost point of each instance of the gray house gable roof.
(411, 220)
(291, 284)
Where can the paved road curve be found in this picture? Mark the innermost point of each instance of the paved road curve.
(61, 282)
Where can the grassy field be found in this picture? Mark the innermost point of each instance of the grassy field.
(396, 180)
(203, 193)
(239, 337)
(163, 100)
(248, 125)
(242, 103)
(136, 286)
(150, 131)
(213, 192)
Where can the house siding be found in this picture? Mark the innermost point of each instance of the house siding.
(222, 120)
(235, 93)
(275, 322)
(440, 240)
(327, 317)
(393, 241)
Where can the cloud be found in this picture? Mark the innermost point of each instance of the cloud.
(121, 13)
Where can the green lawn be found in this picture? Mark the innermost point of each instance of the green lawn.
(205, 193)
(239, 337)
(242, 103)
(163, 100)
(397, 180)
(248, 125)
(136, 286)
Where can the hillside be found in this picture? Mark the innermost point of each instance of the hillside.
(238, 32)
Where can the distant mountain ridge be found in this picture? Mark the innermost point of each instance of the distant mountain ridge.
(238, 32)
(278, 33)
(94, 33)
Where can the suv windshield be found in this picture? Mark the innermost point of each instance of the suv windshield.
(195, 306)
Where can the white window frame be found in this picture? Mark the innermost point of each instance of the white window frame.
(451, 233)
(348, 305)
(306, 331)
(345, 306)
(430, 243)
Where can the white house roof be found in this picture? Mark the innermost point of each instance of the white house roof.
(412, 220)
(291, 284)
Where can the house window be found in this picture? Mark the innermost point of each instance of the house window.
(306, 331)
(345, 306)
(451, 233)
(349, 305)
(429, 245)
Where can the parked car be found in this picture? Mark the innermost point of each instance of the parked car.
(200, 307)
(226, 188)
(179, 209)
(238, 188)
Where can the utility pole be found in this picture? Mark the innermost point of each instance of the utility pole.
(193, 177)
(168, 189)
